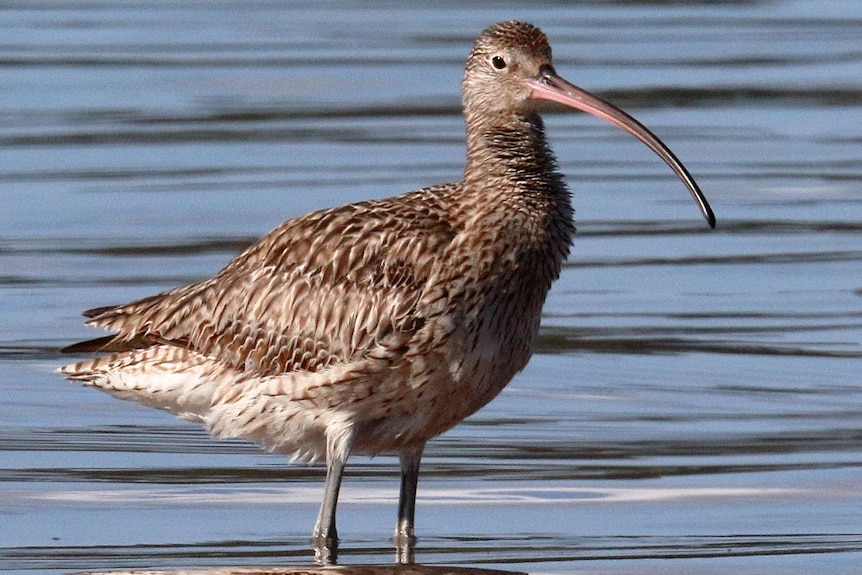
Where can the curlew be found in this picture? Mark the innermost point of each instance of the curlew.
(372, 327)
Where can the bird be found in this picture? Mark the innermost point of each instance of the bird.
(372, 327)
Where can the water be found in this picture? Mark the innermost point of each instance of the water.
(695, 404)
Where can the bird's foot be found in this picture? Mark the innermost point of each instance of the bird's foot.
(405, 544)
(325, 543)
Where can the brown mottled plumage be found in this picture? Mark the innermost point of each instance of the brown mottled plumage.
(372, 327)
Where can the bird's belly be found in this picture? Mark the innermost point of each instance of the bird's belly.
(441, 390)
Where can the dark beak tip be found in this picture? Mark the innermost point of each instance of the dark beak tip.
(708, 214)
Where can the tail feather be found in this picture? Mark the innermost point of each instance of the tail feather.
(162, 376)
(90, 313)
(112, 344)
(88, 346)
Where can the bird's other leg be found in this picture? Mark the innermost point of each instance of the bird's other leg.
(325, 536)
(404, 537)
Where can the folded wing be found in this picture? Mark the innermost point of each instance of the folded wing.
(320, 289)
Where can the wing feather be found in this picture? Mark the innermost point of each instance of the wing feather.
(318, 290)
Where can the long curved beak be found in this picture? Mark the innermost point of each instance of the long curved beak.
(550, 86)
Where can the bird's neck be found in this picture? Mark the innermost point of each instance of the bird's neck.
(513, 190)
(509, 156)
(511, 148)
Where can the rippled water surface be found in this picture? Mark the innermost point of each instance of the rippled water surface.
(695, 403)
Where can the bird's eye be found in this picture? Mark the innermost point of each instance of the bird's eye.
(498, 62)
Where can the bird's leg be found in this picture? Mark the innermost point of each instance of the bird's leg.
(404, 536)
(325, 535)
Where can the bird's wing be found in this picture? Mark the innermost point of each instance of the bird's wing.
(320, 289)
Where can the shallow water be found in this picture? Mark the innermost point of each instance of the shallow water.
(695, 403)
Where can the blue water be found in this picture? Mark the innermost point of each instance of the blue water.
(694, 405)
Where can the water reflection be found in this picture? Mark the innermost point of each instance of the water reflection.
(671, 360)
(677, 553)
(331, 570)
